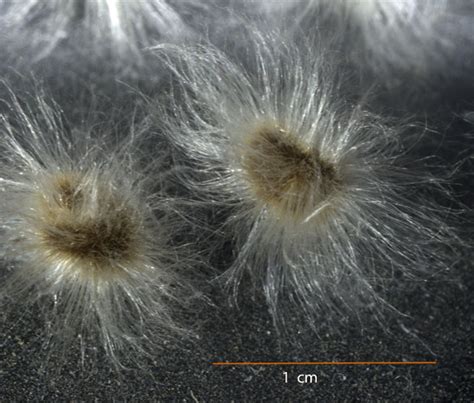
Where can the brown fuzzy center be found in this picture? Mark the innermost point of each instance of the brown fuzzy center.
(91, 226)
(285, 174)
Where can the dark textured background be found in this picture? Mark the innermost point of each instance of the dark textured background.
(439, 327)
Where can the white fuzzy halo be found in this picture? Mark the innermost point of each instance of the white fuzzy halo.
(424, 39)
(87, 230)
(115, 32)
(378, 222)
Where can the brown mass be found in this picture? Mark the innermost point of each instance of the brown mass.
(286, 174)
(67, 192)
(101, 240)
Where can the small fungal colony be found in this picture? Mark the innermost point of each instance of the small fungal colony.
(255, 125)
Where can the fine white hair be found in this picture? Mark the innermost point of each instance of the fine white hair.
(113, 31)
(324, 207)
(88, 233)
(425, 39)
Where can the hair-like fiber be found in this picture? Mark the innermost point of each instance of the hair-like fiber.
(110, 34)
(395, 39)
(87, 231)
(324, 207)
